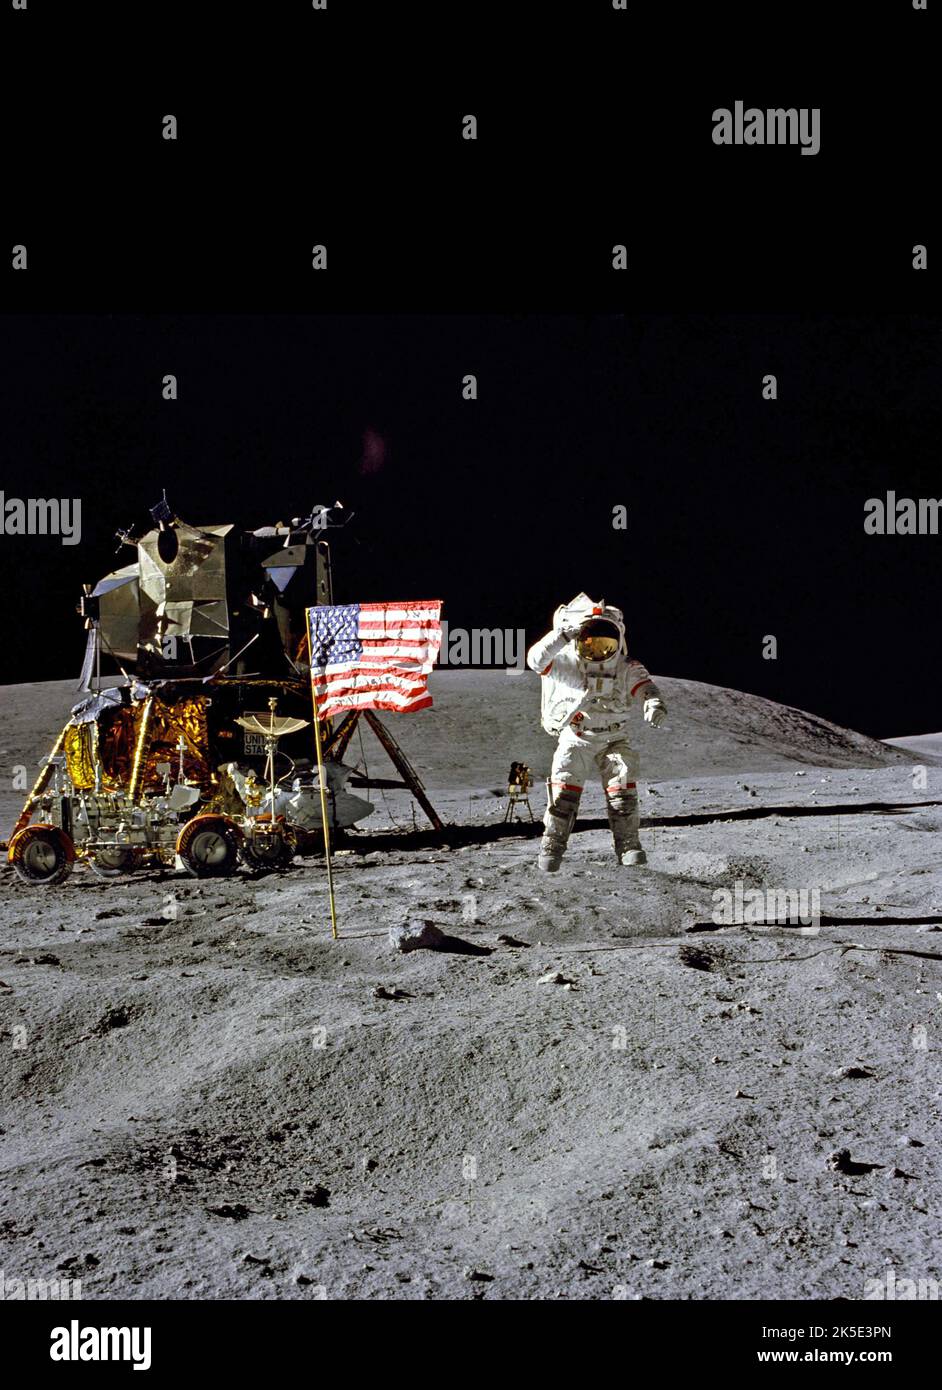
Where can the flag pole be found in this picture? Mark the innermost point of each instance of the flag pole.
(320, 778)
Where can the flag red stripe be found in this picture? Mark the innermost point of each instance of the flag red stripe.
(390, 639)
(333, 688)
(424, 624)
(420, 605)
(380, 665)
(331, 707)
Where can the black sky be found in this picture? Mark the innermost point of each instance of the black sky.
(745, 516)
(639, 388)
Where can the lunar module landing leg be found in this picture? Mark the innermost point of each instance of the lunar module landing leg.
(336, 743)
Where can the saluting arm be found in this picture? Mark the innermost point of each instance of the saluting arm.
(541, 655)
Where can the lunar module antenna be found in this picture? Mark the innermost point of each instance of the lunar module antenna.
(271, 731)
(323, 517)
(162, 512)
(124, 538)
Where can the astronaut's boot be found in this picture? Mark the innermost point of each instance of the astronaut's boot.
(623, 817)
(632, 856)
(562, 805)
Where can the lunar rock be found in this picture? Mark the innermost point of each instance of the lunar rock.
(417, 935)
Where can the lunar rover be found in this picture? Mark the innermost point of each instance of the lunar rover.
(205, 825)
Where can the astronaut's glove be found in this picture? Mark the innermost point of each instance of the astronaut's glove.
(569, 634)
(655, 712)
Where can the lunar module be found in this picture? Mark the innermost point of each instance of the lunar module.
(193, 746)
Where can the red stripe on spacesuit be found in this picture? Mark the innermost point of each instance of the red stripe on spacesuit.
(646, 681)
(619, 786)
(568, 786)
(546, 669)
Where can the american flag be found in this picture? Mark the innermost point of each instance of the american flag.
(373, 655)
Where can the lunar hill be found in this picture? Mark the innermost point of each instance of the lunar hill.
(483, 720)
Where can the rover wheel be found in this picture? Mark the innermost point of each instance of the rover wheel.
(209, 847)
(113, 861)
(41, 856)
(267, 852)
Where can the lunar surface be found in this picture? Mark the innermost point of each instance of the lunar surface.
(610, 1083)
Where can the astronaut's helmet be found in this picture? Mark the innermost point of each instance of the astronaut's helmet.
(599, 640)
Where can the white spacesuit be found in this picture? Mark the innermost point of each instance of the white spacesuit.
(589, 685)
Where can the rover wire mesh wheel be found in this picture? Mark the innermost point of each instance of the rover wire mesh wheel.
(209, 847)
(267, 852)
(41, 855)
(113, 861)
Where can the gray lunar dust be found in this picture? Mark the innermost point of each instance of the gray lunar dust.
(204, 1096)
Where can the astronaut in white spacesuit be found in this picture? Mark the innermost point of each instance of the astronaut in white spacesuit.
(589, 685)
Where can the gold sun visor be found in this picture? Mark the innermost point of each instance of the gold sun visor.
(597, 648)
(598, 640)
